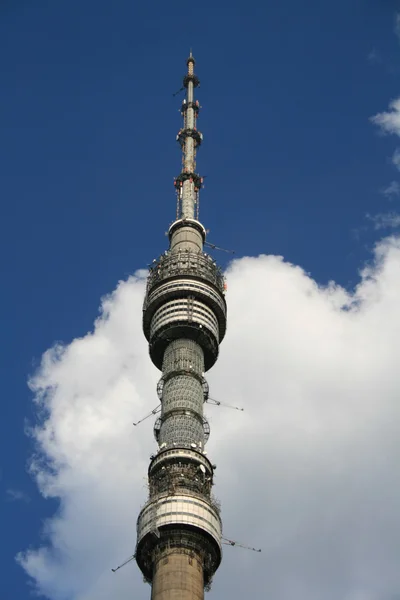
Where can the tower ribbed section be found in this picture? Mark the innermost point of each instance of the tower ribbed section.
(182, 397)
(184, 320)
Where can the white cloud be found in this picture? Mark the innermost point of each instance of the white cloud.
(308, 472)
(391, 190)
(14, 495)
(389, 122)
(396, 158)
(388, 220)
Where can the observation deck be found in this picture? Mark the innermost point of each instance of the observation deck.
(188, 523)
(185, 298)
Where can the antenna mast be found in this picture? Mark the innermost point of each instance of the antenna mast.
(188, 182)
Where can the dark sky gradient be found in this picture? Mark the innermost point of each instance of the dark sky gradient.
(88, 155)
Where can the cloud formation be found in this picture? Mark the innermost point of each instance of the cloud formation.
(392, 190)
(389, 121)
(308, 472)
(388, 220)
(14, 495)
(396, 158)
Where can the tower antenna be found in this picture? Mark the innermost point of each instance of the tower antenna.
(153, 412)
(124, 563)
(214, 247)
(209, 400)
(219, 403)
(233, 543)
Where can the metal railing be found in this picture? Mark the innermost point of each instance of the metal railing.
(185, 263)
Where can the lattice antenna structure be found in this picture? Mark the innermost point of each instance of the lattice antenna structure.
(179, 543)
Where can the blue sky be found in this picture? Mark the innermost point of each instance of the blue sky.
(293, 166)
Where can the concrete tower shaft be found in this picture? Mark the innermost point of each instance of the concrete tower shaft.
(184, 320)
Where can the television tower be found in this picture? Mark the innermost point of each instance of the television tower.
(184, 320)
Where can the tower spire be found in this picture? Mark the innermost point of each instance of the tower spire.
(188, 183)
(184, 320)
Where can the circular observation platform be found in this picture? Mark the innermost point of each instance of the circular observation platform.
(185, 299)
(181, 521)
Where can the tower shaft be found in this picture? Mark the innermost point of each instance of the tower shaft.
(178, 576)
(184, 320)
